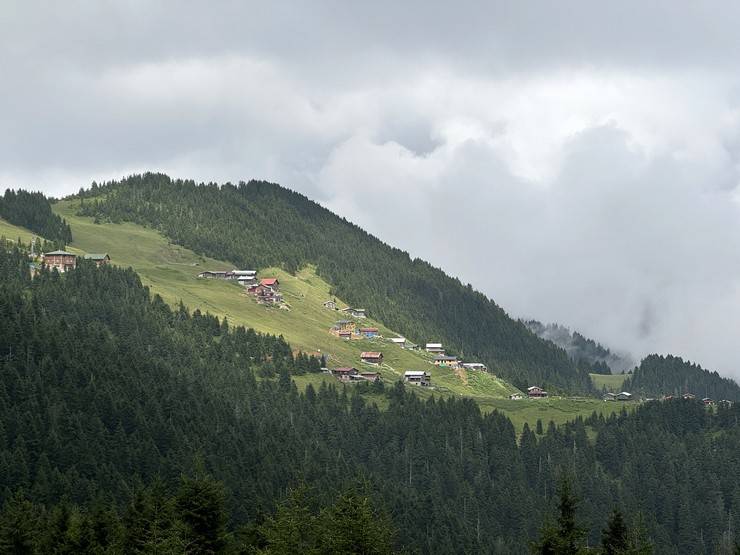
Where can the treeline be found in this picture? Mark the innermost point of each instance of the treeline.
(278, 227)
(33, 211)
(589, 355)
(192, 518)
(105, 390)
(660, 375)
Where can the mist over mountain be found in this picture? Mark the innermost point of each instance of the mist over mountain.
(580, 348)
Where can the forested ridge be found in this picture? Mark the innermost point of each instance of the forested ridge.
(585, 352)
(33, 211)
(106, 392)
(261, 224)
(670, 375)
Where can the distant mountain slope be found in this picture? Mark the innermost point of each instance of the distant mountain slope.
(585, 352)
(262, 224)
(33, 211)
(670, 375)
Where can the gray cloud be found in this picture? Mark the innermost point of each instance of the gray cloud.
(576, 161)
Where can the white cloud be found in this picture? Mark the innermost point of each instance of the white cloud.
(577, 162)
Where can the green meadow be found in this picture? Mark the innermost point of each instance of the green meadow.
(612, 382)
(171, 272)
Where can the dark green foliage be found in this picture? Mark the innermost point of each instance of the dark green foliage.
(33, 211)
(615, 538)
(104, 389)
(281, 228)
(670, 375)
(566, 537)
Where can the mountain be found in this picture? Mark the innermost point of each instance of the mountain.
(585, 352)
(125, 423)
(259, 225)
(670, 375)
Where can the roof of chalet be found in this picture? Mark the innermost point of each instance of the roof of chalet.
(412, 373)
(434, 345)
(244, 272)
(474, 364)
(398, 339)
(371, 354)
(530, 388)
(445, 357)
(269, 281)
(96, 256)
(59, 253)
(350, 309)
(368, 329)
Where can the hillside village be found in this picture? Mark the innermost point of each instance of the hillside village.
(266, 291)
(353, 325)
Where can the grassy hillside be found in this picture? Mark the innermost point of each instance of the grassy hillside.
(612, 382)
(170, 270)
(262, 225)
(12, 232)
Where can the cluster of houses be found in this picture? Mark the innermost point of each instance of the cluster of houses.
(266, 291)
(63, 261)
(354, 375)
(621, 396)
(533, 392)
(244, 277)
(348, 329)
(443, 360)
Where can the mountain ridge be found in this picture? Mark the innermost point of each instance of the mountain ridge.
(280, 227)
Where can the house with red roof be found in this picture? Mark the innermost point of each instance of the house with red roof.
(271, 282)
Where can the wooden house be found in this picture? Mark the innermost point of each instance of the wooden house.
(371, 357)
(446, 361)
(343, 328)
(264, 294)
(479, 366)
(535, 392)
(99, 259)
(435, 348)
(623, 396)
(400, 341)
(63, 261)
(331, 305)
(244, 277)
(610, 396)
(417, 377)
(707, 402)
(214, 274)
(344, 374)
(369, 332)
(273, 283)
(516, 396)
(689, 396)
(355, 312)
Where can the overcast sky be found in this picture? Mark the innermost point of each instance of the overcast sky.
(576, 160)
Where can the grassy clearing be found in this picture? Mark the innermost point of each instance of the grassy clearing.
(170, 271)
(613, 382)
(558, 410)
(12, 232)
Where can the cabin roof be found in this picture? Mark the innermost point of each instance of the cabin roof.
(371, 354)
(59, 253)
